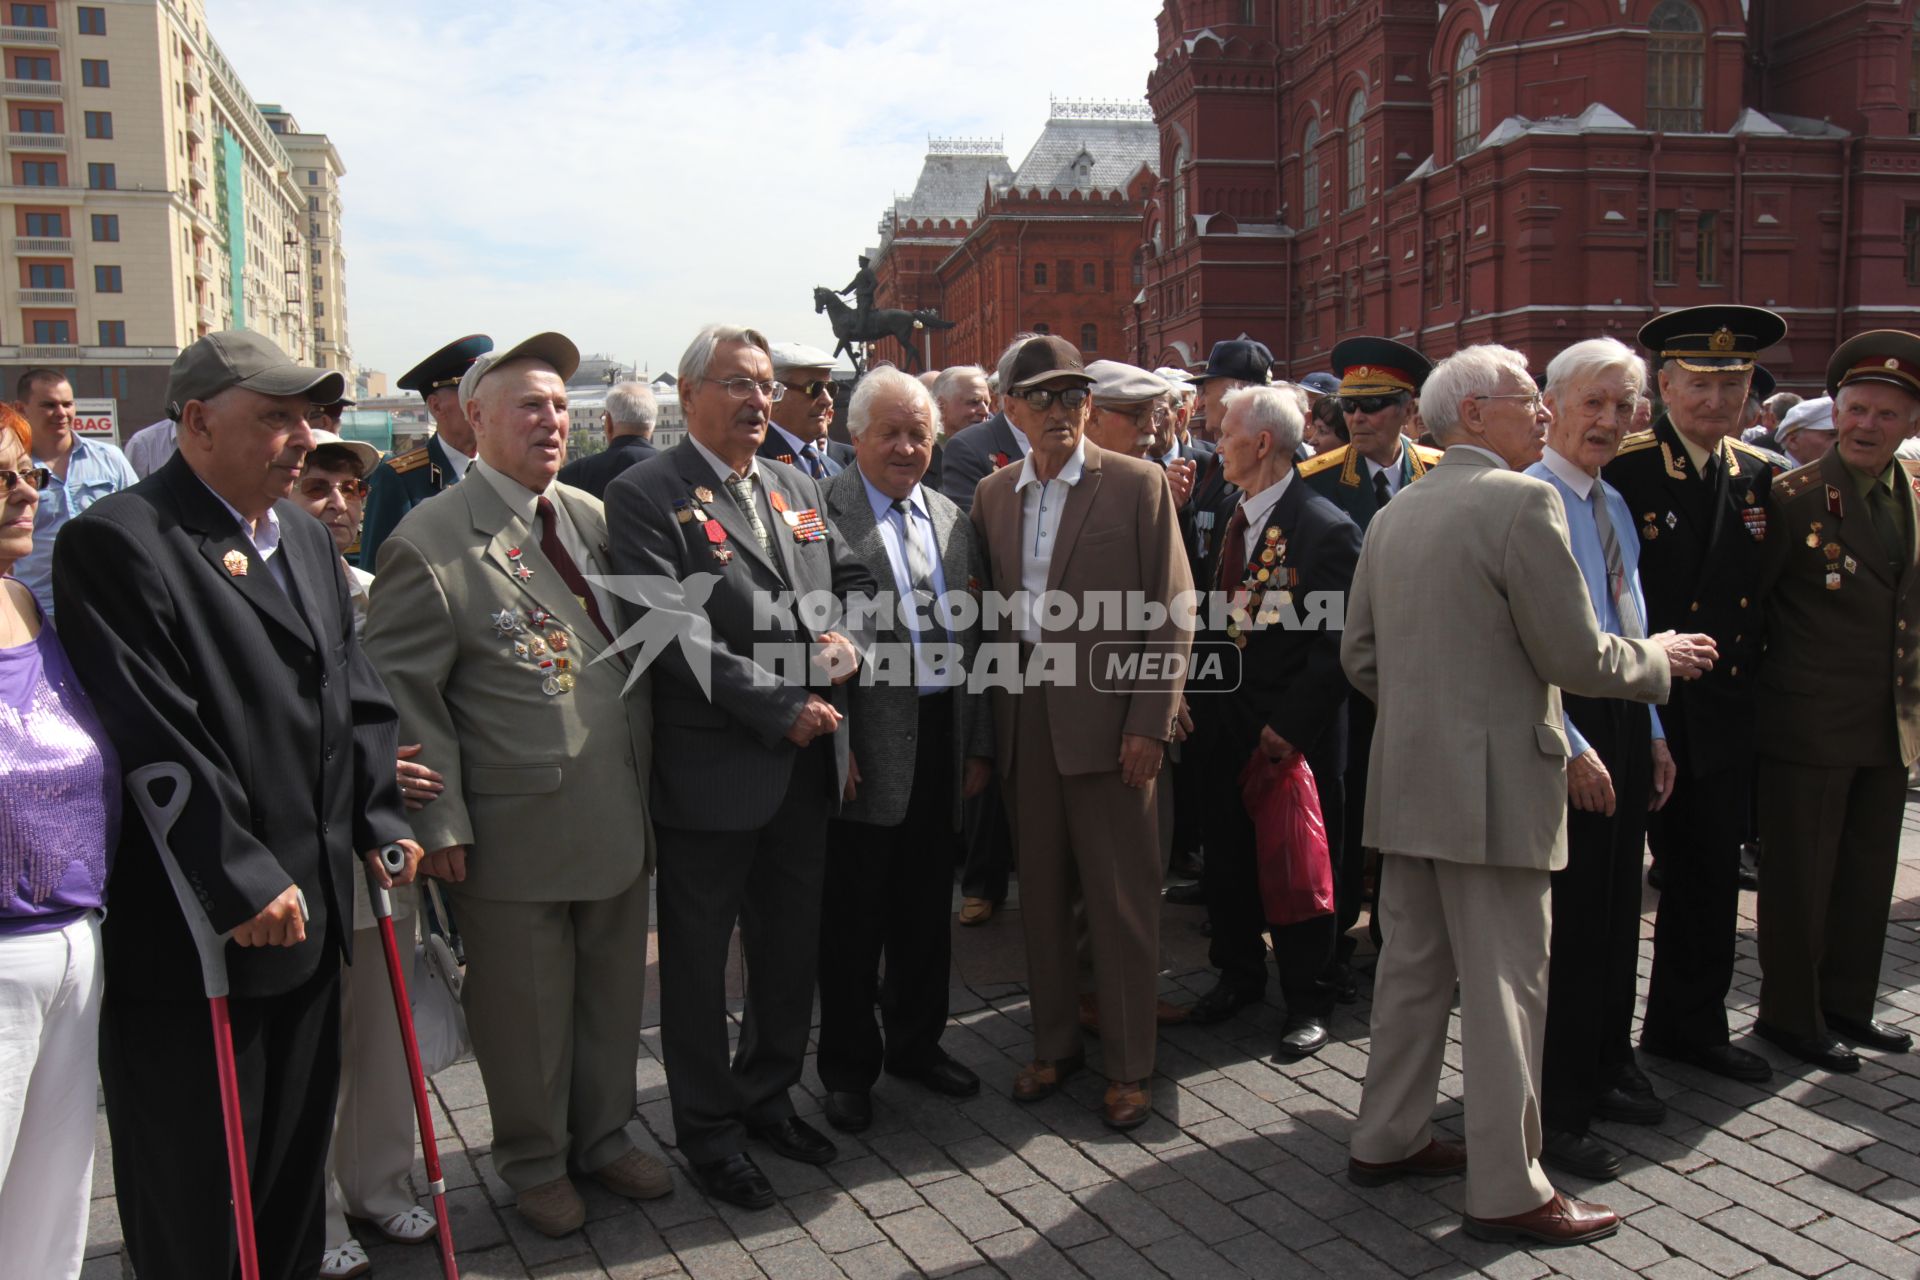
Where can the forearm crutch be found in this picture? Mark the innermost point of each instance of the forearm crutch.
(160, 816)
(394, 859)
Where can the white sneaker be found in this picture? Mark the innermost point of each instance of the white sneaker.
(348, 1260)
(415, 1226)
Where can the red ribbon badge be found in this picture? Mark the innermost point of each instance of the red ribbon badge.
(715, 534)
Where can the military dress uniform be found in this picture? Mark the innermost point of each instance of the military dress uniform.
(1702, 531)
(1838, 710)
(406, 480)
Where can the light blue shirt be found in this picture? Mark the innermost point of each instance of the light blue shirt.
(1578, 491)
(893, 535)
(800, 447)
(94, 470)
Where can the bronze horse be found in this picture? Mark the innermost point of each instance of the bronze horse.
(902, 326)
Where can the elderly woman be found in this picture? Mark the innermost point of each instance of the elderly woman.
(1807, 432)
(59, 818)
(373, 1125)
(1326, 425)
(1620, 768)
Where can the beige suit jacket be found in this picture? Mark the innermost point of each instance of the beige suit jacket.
(549, 790)
(1467, 611)
(1119, 535)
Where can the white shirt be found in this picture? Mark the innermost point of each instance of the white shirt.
(462, 462)
(1568, 474)
(1020, 439)
(721, 469)
(525, 503)
(149, 448)
(360, 593)
(1258, 506)
(265, 538)
(1392, 469)
(1041, 506)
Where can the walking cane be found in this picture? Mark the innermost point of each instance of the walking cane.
(160, 817)
(394, 859)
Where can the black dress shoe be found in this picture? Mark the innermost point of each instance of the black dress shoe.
(735, 1179)
(1654, 877)
(1872, 1033)
(1226, 999)
(1341, 983)
(1632, 1079)
(1825, 1052)
(1302, 1037)
(849, 1111)
(1624, 1106)
(1578, 1154)
(1720, 1059)
(942, 1074)
(1186, 895)
(795, 1139)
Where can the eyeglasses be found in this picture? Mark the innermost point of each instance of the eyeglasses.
(808, 389)
(1371, 404)
(743, 388)
(1041, 398)
(319, 488)
(35, 478)
(1532, 398)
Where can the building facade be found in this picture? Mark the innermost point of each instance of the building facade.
(1528, 172)
(149, 200)
(317, 170)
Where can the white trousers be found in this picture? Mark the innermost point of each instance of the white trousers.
(49, 1039)
(374, 1127)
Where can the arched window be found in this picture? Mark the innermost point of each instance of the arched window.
(1040, 274)
(1310, 175)
(1180, 195)
(1676, 68)
(1466, 97)
(1089, 338)
(1356, 150)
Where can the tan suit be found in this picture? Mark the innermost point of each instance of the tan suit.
(546, 771)
(1470, 726)
(1079, 831)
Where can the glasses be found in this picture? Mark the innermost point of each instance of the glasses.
(1370, 404)
(319, 488)
(743, 388)
(35, 478)
(810, 390)
(1532, 398)
(1041, 399)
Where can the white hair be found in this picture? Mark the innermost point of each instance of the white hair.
(699, 352)
(1274, 410)
(631, 404)
(885, 383)
(1468, 372)
(950, 379)
(1584, 361)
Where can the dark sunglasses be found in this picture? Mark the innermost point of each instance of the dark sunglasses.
(36, 478)
(1042, 398)
(809, 389)
(1370, 404)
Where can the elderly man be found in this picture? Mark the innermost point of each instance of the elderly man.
(491, 639)
(995, 443)
(629, 416)
(1284, 546)
(1618, 768)
(1232, 364)
(921, 742)
(751, 762)
(404, 481)
(1775, 410)
(214, 626)
(1839, 710)
(84, 471)
(799, 419)
(1125, 398)
(1807, 433)
(963, 397)
(1699, 498)
(1080, 757)
(1466, 898)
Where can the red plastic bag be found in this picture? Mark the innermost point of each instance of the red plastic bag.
(1290, 838)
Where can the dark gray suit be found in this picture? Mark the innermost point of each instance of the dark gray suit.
(739, 811)
(973, 454)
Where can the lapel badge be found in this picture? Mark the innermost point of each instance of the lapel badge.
(235, 563)
(1833, 501)
(518, 570)
(778, 501)
(1833, 579)
(1267, 556)
(1851, 564)
(538, 618)
(522, 650)
(1673, 521)
(538, 647)
(723, 554)
(784, 457)
(1831, 551)
(999, 461)
(1813, 539)
(506, 622)
(715, 534)
(703, 494)
(558, 641)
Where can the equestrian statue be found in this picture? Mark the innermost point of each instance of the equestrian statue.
(861, 323)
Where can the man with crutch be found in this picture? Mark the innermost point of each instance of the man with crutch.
(214, 629)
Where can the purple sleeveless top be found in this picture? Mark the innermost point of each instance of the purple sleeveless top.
(59, 791)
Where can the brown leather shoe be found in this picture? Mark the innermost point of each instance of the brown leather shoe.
(1169, 1015)
(552, 1208)
(1089, 1013)
(1561, 1220)
(1041, 1078)
(975, 911)
(1127, 1105)
(1435, 1160)
(635, 1175)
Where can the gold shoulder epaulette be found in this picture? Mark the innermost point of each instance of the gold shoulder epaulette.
(1741, 446)
(1427, 453)
(1322, 461)
(411, 460)
(1637, 441)
(1798, 481)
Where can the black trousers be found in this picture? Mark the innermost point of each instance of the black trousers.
(888, 890)
(1231, 881)
(1350, 858)
(1694, 932)
(169, 1142)
(988, 838)
(1596, 922)
(769, 882)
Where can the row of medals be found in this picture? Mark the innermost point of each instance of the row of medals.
(1833, 552)
(1259, 580)
(542, 641)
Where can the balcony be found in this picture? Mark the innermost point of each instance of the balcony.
(196, 79)
(29, 35)
(43, 244)
(197, 172)
(46, 297)
(208, 316)
(49, 353)
(37, 141)
(203, 267)
(196, 131)
(30, 88)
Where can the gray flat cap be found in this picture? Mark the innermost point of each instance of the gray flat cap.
(1115, 383)
(788, 356)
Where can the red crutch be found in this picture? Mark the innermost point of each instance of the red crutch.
(212, 946)
(394, 858)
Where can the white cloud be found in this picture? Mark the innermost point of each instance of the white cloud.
(628, 171)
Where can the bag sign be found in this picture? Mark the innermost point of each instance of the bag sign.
(96, 417)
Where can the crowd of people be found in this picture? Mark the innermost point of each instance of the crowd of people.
(1061, 620)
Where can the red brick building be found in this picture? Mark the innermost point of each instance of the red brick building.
(1529, 172)
(1051, 246)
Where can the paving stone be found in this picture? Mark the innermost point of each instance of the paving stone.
(1864, 1247)
(930, 1241)
(1585, 1262)
(629, 1247)
(913, 1156)
(1111, 1258)
(585, 1267)
(1746, 1156)
(500, 1263)
(834, 1220)
(1218, 1176)
(1691, 1240)
(1134, 1165)
(1128, 1214)
(876, 1262)
(1897, 1194)
(1785, 1247)
(875, 1186)
(1810, 1157)
(1631, 1248)
(797, 1260)
(1827, 1132)
(1777, 1206)
(708, 1251)
(1197, 1211)
(1874, 1216)
(1406, 1251)
(1185, 1258)
(969, 1207)
(1345, 1258)
(1312, 1191)
(1279, 1217)
(1259, 1254)
(1054, 1215)
(1669, 1188)
(1024, 1255)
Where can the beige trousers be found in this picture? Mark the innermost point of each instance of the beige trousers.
(1488, 927)
(374, 1131)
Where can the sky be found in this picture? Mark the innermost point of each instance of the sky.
(625, 171)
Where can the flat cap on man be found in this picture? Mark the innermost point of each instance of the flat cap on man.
(788, 356)
(1808, 415)
(1043, 361)
(1882, 355)
(445, 367)
(1721, 338)
(1321, 383)
(1115, 383)
(1170, 374)
(1379, 367)
(242, 358)
(1242, 359)
(553, 349)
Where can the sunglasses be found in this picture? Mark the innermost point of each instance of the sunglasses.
(809, 389)
(1370, 404)
(1041, 398)
(35, 478)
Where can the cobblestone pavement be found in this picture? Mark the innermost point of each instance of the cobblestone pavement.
(1240, 1171)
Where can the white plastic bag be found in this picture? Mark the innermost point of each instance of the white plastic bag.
(439, 1022)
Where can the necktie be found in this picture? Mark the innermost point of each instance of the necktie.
(920, 581)
(1382, 495)
(741, 487)
(556, 553)
(1619, 590)
(1233, 550)
(1886, 524)
(815, 466)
